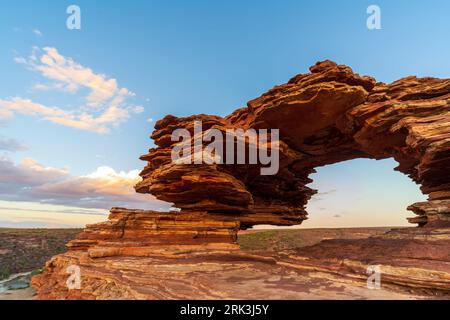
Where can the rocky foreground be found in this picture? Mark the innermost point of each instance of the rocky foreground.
(414, 264)
(326, 116)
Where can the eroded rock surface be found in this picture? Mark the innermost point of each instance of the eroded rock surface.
(414, 264)
(326, 116)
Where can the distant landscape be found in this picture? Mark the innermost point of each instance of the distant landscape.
(27, 250)
(285, 239)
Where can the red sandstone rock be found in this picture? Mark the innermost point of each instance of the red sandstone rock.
(413, 261)
(326, 116)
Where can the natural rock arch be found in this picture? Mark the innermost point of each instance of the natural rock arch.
(327, 116)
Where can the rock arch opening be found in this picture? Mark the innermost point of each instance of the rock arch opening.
(358, 193)
(361, 193)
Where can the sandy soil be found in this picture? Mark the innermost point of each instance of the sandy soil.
(22, 294)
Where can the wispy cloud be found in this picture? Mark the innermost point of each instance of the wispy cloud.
(38, 32)
(105, 188)
(12, 145)
(55, 211)
(324, 193)
(321, 195)
(105, 105)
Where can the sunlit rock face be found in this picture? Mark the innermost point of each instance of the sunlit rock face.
(326, 116)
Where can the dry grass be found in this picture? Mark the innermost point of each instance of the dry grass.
(281, 239)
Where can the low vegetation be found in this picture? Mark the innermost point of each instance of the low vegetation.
(282, 239)
(25, 250)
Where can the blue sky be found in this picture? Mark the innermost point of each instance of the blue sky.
(188, 57)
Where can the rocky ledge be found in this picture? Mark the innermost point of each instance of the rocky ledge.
(414, 264)
(326, 116)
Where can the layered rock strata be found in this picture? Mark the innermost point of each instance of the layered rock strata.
(144, 233)
(414, 263)
(326, 116)
(132, 235)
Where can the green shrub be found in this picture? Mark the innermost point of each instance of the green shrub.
(36, 272)
(4, 273)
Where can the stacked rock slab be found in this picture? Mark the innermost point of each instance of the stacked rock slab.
(131, 236)
(144, 233)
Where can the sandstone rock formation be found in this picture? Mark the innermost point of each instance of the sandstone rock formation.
(326, 116)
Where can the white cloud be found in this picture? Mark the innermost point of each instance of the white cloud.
(105, 105)
(104, 188)
(83, 120)
(37, 32)
(28, 107)
(71, 76)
